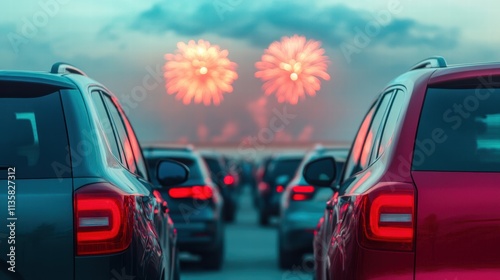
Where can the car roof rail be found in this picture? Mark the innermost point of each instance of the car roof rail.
(65, 68)
(431, 62)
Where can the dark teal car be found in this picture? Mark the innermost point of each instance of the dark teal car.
(75, 186)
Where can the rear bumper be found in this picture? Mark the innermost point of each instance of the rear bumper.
(362, 263)
(198, 237)
(297, 231)
(129, 264)
(298, 240)
(271, 205)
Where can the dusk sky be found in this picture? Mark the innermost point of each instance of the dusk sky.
(123, 43)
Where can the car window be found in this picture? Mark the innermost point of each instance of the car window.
(105, 121)
(373, 132)
(352, 161)
(387, 131)
(34, 139)
(215, 166)
(459, 130)
(286, 167)
(122, 133)
(136, 148)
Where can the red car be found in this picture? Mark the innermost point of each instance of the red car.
(419, 196)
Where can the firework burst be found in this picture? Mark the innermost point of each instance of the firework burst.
(199, 71)
(292, 67)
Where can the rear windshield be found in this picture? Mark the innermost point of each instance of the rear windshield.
(286, 167)
(33, 132)
(459, 130)
(192, 164)
(214, 166)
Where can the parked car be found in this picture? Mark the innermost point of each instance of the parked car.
(226, 182)
(80, 202)
(301, 207)
(280, 170)
(195, 205)
(418, 197)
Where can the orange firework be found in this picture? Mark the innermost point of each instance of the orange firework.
(292, 67)
(199, 71)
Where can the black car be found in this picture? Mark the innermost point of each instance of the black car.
(279, 171)
(259, 171)
(302, 205)
(80, 202)
(226, 182)
(195, 205)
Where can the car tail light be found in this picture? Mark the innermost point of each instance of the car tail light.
(300, 193)
(389, 219)
(263, 186)
(228, 180)
(280, 189)
(103, 219)
(194, 192)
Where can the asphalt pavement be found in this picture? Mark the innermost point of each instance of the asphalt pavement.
(251, 252)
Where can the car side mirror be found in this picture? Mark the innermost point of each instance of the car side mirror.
(321, 172)
(171, 173)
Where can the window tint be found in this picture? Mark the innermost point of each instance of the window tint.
(459, 130)
(136, 148)
(214, 165)
(106, 125)
(122, 133)
(34, 138)
(286, 167)
(390, 125)
(373, 132)
(215, 169)
(352, 162)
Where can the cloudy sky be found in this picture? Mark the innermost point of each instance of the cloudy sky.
(122, 44)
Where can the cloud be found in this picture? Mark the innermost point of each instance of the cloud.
(283, 136)
(258, 110)
(261, 23)
(202, 132)
(229, 131)
(306, 134)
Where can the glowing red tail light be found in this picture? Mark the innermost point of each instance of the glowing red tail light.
(389, 221)
(194, 192)
(300, 193)
(229, 180)
(263, 186)
(280, 189)
(103, 219)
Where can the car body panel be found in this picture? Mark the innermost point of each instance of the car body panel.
(458, 216)
(43, 226)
